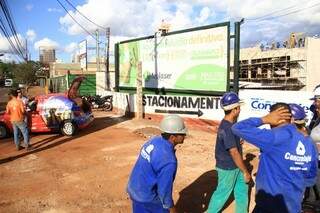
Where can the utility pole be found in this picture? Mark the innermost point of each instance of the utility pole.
(107, 75)
(97, 51)
(27, 50)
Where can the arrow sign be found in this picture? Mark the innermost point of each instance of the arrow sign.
(199, 112)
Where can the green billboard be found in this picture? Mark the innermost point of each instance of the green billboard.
(195, 59)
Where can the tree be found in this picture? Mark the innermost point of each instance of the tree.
(26, 72)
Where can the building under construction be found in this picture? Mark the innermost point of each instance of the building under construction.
(47, 55)
(292, 66)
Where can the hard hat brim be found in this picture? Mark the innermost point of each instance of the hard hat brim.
(232, 106)
(183, 131)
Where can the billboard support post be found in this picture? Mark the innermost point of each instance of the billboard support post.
(236, 65)
(107, 58)
(139, 92)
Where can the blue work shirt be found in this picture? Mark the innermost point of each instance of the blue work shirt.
(152, 177)
(225, 141)
(288, 164)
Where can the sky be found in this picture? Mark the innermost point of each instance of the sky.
(46, 23)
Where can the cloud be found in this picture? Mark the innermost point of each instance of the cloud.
(5, 46)
(29, 7)
(141, 18)
(54, 10)
(8, 58)
(204, 15)
(71, 48)
(31, 35)
(46, 42)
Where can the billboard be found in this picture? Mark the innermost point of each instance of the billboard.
(83, 54)
(195, 59)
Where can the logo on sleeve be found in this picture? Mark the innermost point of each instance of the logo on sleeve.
(145, 152)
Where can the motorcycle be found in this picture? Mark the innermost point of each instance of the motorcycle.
(98, 102)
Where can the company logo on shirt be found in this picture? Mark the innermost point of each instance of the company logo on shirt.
(300, 150)
(299, 158)
(145, 152)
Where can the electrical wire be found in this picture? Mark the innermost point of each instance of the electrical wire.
(78, 22)
(268, 17)
(13, 47)
(104, 28)
(11, 26)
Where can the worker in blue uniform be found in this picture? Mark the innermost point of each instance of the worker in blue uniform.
(151, 180)
(288, 160)
(233, 175)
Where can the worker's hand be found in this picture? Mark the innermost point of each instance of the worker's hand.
(277, 117)
(247, 177)
(173, 210)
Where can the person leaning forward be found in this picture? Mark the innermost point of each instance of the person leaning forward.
(151, 180)
(15, 108)
(232, 172)
(288, 160)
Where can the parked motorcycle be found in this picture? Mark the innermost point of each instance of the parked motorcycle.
(100, 102)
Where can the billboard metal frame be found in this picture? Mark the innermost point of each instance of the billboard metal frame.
(85, 54)
(177, 91)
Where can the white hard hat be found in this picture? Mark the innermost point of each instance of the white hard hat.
(316, 93)
(173, 124)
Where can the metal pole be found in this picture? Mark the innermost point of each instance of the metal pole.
(107, 58)
(26, 49)
(155, 54)
(97, 51)
(139, 92)
(236, 66)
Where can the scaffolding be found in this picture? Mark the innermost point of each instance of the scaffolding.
(276, 68)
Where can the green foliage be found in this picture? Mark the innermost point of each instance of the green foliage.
(25, 73)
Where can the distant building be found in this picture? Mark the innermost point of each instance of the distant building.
(290, 67)
(47, 55)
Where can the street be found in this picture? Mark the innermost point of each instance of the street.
(89, 172)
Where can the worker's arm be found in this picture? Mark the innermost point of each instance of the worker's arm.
(262, 138)
(237, 158)
(310, 176)
(165, 184)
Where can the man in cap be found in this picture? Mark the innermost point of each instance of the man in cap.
(232, 172)
(151, 180)
(288, 160)
(15, 108)
(315, 108)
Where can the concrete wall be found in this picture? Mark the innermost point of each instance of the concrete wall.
(313, 63)
(257, 103)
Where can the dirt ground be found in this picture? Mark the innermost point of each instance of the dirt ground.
(89, 172)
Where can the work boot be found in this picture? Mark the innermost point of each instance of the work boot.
(29, 148)
(19, 147)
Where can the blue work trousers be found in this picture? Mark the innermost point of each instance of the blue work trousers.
(138, 207)
(24, 130)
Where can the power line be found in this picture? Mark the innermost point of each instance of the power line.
(12, 25)
(268, 14)
(5, 32)
(77, 22)
(17, 47)
(104, 28)
(265, 17)
(295, 11)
